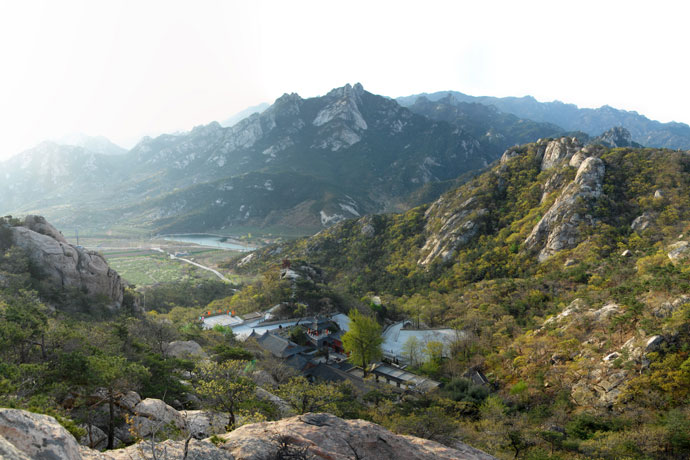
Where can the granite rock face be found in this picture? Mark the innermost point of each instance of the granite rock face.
(67, 265)
(185, 349)
(9, 452)
(325, 436)
(616, 137)
(37, 436)
(559, 150)
(559, 228)
(679, 251)
(320, 436)
(453, 228)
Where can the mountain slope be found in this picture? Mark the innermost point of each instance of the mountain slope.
(51, 175)
(241, 115)
(565, 270)
(344, 154)
(95, 144)
(591, 121)
(495, 130)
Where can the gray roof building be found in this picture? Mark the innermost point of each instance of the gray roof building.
(278, 346)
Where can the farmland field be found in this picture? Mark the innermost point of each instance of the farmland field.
(148, 269)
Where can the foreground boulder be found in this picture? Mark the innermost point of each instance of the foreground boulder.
(315, 436)
(67, 265)
(36, 436)
(325, 436)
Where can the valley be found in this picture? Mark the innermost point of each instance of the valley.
(344, 231)
(527, 299)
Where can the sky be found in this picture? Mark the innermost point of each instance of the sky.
(124, 69)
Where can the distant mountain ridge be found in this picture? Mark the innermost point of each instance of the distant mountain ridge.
(241, 115)
(303, 164)
(95, 144)
(644, 131)
(306, 162)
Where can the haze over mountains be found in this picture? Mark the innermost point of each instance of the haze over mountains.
(647, 132)
(300, 163)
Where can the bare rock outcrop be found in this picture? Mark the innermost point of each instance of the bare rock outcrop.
(558, 151)
(616, 137)
(643, 222)
(152, 415)
(321, 436)
(326, 436)
(559, 228)
(454, 227)
(37, 436)
(68, 266)
(679, 251)
(185, 349)
(9, 452)
(170, 450)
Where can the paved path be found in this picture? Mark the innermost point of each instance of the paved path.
(215, 272)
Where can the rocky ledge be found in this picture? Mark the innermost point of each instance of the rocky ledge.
(25, 435)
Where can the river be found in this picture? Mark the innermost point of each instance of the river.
(211, 241)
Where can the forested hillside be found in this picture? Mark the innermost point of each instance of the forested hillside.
(565, 267)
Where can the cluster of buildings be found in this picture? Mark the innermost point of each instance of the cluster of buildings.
(320, 354)
(321, 357)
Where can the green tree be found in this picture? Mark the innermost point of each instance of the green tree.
(116, 375)
(412, 350)
(363, 340)
(23, 323)
(224, 386)
(309, 397)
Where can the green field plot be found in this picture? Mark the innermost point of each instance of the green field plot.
(148, 269)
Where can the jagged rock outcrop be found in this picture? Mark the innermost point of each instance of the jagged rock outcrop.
(559, 150)
(559, 229)
(616, 137)
(68, 266)
(455, 227)
(322, 436)
(340, 121)
(667, 309)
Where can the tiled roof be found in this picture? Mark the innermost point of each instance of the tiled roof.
(278, 346)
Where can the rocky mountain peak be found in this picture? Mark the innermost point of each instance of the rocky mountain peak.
(347, 91)
(289, 102)
(616, 137)
(205, 130)
(96, 144)
(341, 120)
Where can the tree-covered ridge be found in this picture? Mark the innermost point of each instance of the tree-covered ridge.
(590, 342)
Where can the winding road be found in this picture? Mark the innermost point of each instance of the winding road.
(203, 267)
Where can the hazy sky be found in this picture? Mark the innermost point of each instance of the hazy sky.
(124, 69)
